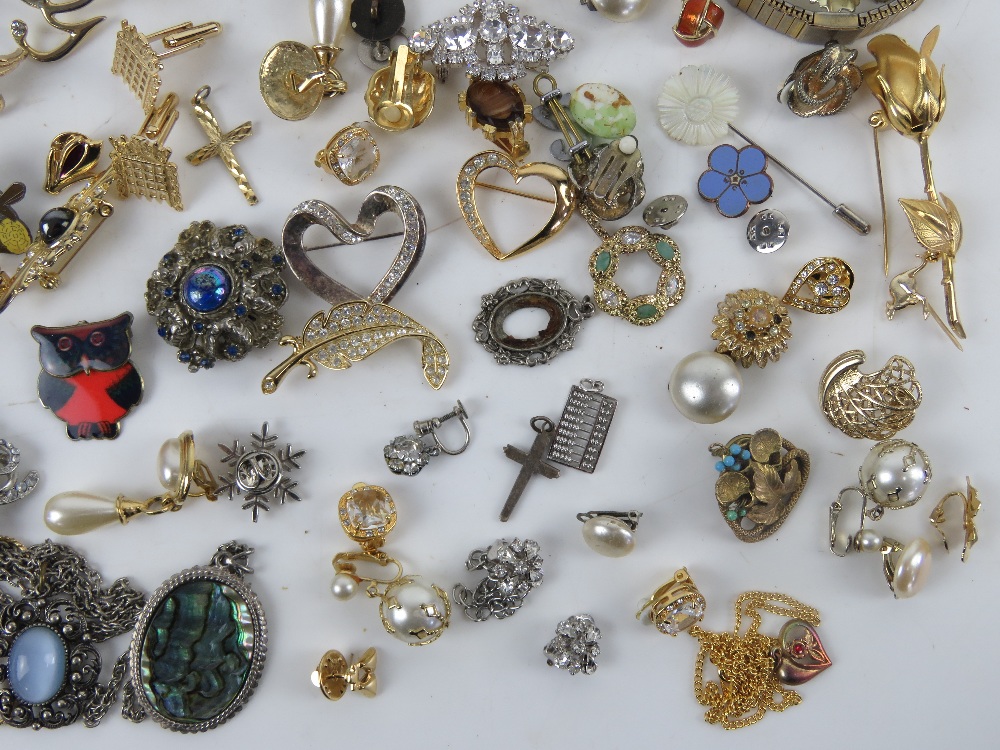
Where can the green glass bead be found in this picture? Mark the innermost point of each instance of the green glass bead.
(602, 110)
(646, 311)
(603, 261)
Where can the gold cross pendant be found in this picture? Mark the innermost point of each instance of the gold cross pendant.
(221, 144)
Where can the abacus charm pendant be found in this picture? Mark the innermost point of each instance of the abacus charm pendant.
(583, 426)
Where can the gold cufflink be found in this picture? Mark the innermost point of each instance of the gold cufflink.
(139, 65)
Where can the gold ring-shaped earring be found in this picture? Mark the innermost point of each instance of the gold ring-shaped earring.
(351, 155)
(335, 675)
(970, 507)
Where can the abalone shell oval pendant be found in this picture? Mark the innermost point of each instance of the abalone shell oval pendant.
(198, 649)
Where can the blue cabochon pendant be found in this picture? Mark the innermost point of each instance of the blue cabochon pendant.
(54, 609)
(199, 646)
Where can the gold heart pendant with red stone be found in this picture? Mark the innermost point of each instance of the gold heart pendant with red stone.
(800, 656)
(563, 202)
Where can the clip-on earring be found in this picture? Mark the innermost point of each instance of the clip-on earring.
(408, 454)
(294, 78)
(258, 474)
(970, 508)
(874, 405)
(335, 675)
(400, 96)
(610, 532)
(140, 165)
(412, 611)
(75, 34)
(609, 175)
(756, 671)
(182, 474)
(892, 476)
(574, 647)
(753, 327)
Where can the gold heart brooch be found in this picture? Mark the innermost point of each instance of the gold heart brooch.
(563, 203)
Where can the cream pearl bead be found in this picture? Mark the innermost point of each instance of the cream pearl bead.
(706, 387)
(620, 11)
(168, 464)
(343, 587)
(417, 613)
(895, 472)
(868, 541)
(329, 20)
(913, 566)
(71, 513)
(608, 536)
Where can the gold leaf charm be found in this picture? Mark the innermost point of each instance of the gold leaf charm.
(823, 285)
(761, 478)
(930, 223)
(352, 332)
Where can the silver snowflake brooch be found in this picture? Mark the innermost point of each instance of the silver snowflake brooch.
(259, 471)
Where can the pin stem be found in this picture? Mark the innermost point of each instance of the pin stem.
(840, 211)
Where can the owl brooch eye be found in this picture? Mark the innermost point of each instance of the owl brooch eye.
(88, 379)
(216, 294)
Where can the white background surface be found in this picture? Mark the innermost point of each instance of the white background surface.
(913, 673)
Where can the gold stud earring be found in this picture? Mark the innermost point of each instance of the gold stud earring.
(335, 675)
